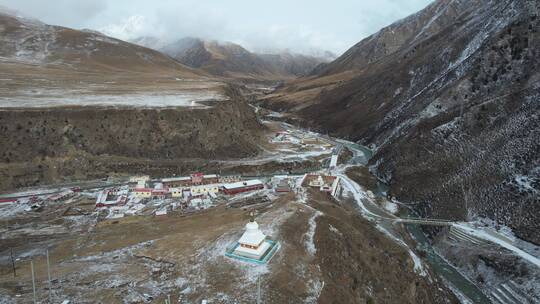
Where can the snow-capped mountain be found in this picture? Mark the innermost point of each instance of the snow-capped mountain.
(127, 29)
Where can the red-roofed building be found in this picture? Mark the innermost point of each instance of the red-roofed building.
(197, 178)
(240, 187)
(160, 192)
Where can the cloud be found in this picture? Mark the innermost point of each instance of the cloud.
(298, 38)
(59, 12)
(169, 21)
(130, 28)
(300, 25)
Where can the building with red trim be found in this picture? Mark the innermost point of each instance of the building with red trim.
(244, 186)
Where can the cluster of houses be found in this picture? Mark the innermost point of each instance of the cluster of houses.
(196, 190)
(37, 201)
(196, 185)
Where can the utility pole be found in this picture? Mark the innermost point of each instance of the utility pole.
(13, 262)
(259, 290)
(33, 281)
(49, 276)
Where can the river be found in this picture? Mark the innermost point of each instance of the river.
(459, 283)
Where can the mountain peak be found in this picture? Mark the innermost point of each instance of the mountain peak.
(229, 59)
(20, 16)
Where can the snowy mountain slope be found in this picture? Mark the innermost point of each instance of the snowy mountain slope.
(449, 96)
(30, 41)
(400, 35)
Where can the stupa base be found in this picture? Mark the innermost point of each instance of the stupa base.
(234, 253)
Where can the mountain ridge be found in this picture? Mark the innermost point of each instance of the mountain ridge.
(31, 41)
(459, 81)
(222, 58)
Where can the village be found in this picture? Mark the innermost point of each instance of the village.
(159, 196)
(141, 239)
(103, 209)
(185, 195)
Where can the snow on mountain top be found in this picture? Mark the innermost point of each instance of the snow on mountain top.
(128, 29)
(19, 15)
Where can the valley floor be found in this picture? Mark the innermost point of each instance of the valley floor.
(346, 248)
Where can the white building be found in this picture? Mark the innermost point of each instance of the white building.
(140, 184)
(244, 186)
(318, 182)
(204, 189)
(252, 243)
(176, 192)
(139, 178)
(333, 161)
(161, 212)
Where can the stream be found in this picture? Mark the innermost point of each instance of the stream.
(438, 264)
(461, 285)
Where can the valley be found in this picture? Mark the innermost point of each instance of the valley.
(196, 170)
(356, 200)
(283, 215)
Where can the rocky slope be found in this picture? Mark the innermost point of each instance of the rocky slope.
(449, 98)
(232, 60)
(43, 146)
(349, 251)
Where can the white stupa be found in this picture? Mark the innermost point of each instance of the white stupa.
(253, 243)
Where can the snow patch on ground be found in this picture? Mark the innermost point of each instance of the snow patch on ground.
(433, 109)
(418, 264)
(449, 126)
(11, 210)
(391, 207)
(335, 230)
(310, 234)
(359, 195)
(484, 234)
(130, 250)
(59, 98)
(525, 183)
(506, 232)
(315, 287)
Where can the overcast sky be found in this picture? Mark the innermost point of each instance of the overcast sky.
(298, 25)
